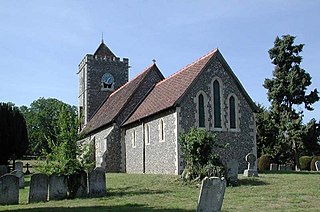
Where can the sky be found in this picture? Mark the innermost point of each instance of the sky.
(43, 42)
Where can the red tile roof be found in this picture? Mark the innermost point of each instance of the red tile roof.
(113, 105)
(167, 92)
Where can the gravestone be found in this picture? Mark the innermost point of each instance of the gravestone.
(317, 165)
(3, 170)
(211, 194)
(57, 187)
(20, 175)
(273, 167)
(288, 168)
(232, 172)
(251, 159)
(38, 188)
(19, 166)
(282, 167)
(9, 189)
(79, 185)
(97, 182)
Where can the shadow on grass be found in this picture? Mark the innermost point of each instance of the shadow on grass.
(130, 191)
(127, 207)
(253, 181)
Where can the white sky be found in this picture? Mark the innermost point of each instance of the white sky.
(42, 42)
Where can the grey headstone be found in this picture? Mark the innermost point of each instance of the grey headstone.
(80, 185)
(3, 170)
(57, 187)
(97, 182)
(19, 166)
(20, 175)
(317, 165)
(9, 189)
(251, 171)
(38, 188)
(232, 171)
(273, 167)
(282, 167)
(211, 194)
(288, 168)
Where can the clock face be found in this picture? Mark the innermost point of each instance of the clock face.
(107, 79)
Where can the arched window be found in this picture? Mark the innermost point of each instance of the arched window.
(147, 134)
(161, 130)
(232, 112)
(133, 138)
(216, 104)
(201, 111)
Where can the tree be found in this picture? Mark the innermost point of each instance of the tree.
(287, 90)
(197, 147)
(311, 138)
(42, 118)
(13, 132)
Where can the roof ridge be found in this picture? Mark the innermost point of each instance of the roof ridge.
(138, 75)
(189, 65)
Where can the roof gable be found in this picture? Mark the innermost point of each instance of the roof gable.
(103, 51)
(117, 101)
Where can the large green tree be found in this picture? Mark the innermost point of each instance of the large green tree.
(42, 120)
(287, 90)
(13, 132)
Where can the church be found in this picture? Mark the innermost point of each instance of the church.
(134, 125)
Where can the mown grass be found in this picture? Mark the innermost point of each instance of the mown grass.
(288, 191)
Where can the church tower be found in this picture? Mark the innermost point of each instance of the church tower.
(99, 75)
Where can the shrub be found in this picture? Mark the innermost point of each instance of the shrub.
(313, 166)
(264, 162)
(305, 162)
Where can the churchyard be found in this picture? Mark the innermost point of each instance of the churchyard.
(271, 191)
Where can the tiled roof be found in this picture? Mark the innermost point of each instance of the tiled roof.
(167, 92)
(103, 51)
(114, 104)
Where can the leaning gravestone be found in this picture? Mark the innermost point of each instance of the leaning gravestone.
(251, 159)
(3, 170)
(317, 165)
(79, 185)
(232, 172)
(38, 188)
(273, 167)
(20, 175)
(9, 189)
(57, 187)
(97, 182)
(211, 194)
(18, 166)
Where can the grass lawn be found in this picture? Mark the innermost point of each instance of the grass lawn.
(136, 192)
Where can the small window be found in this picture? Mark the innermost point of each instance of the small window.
(161, 130)
(217, 104)
(147, 134)
(133, 138)
(201, 111)
(232, 112)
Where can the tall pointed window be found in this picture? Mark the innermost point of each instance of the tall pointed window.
(161, 130)
(133, 139)
(232, 112)
(201, 111)
(217, 104)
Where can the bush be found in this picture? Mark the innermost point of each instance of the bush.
(305, 162)
(264, 163)
(313, 166)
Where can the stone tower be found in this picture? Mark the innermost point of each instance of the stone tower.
(99, 75)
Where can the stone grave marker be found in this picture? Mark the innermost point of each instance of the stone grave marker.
(80, 185)
(251, 159)
(3, 170)
(97, 182)
(232, 172)
(9, 190)
(273, 167)
(211, 194)
(20, 175)
(282, 167)
(317, 165)
(19, 166)
(58, 188)
(38, 188)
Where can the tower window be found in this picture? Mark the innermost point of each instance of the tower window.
(216, 104)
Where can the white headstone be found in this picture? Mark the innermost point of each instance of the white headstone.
(57, 187)
(9, 189)
(38, 188)
(97, 182)
(273, 167)
(317, 165)
(251, 159)
(211, 194)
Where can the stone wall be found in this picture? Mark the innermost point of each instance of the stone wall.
(242, 139)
